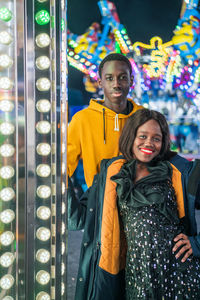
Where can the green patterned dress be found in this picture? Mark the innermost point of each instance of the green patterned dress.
(150, 219)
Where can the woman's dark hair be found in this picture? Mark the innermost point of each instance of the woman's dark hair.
(129, 132)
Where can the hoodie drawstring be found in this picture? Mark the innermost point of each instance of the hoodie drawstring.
(104, 129)
(116, 123)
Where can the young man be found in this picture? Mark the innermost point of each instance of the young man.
(93, 133)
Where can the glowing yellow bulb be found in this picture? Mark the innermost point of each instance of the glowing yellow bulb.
(5, 38)
(43, 127)
(62, 288)
(7, 150)
(44, 191)
(43, 149)
(63, 228)
(6, 105)
(7, 172)
(43, 84)
(43, 256)
(7, 128)
(7, 216)
(6, 282)
(43, 170)
(42, 40)
(6, 238)
(63, 248)
(43, 105)
(7, 259)
(6, 83)
(43, 212)
(8, 298)
(42, 277)
(43, 62)
(43, 296)
(63, 188)
(7, 194)
(62, 269)
(5, 61)
(63, 207)
(43, 234)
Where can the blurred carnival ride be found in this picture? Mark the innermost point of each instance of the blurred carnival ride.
(167, 75)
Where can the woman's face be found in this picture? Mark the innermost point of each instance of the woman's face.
(148, 141)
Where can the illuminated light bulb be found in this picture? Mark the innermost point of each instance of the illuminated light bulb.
(8, 298)
(62, 289)
(63, 228)
(62, 268)
(41, 1)
(42, 277)
(43, 84)
(43, 62)
(7, 194)
(43, 105)
(6, 282)
(63, 248)
(43, 149)
(43, 212)
(42, 17)
(7, 172)
(43, 127)
(43, 256)
(5, 61)
(43, 170)
(43, 234)
(6, 238)
(44, 191)
(6, 83)
(7, 150)
(63, 107)
(6, 105)
(42, 40)
(5, 38)
(7, 128)
(7, 216)
(63, 148)
(63, 207)
(43, 296)
(5, 14)
(7, 259)
(63, 187)
(63, 168)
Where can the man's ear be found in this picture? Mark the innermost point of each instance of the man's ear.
(132, 78)
(99, 82)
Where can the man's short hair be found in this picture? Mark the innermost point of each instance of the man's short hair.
(112, 57)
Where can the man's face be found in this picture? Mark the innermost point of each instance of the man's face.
(115, 81)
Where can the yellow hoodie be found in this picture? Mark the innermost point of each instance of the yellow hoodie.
(93, 135)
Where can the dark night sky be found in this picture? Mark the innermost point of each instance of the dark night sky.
(143, 19)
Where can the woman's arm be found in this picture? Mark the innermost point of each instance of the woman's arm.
(190, 244)
(76, 208)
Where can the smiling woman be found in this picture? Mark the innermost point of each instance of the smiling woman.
(144, 244)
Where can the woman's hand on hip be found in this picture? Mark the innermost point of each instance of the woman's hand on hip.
(182, 240)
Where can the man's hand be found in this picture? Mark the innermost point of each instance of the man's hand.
(181, 240)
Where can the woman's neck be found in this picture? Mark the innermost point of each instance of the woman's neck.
(141, 171)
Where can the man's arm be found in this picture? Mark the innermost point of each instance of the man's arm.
(73, 145)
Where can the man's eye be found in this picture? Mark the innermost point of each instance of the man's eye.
(109, 78)
(123, 77)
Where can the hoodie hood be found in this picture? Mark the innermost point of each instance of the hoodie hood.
(97, 105)
(107, 113)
